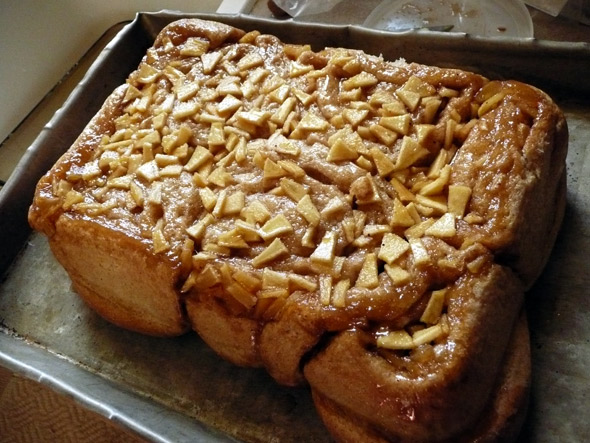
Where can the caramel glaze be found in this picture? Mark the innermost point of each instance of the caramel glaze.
(388, 305)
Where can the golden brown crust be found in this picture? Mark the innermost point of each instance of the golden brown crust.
(500, 421)
(47, 206)
(102, 277)
(235, 339)
(506, 411)
(410, 398)
(516, 170)
(363, 226)
(100, 261)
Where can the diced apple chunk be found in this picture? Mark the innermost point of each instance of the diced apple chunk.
(437, 186)
(292, 169)
(216, 134)
(295, 191)
(411, 151)
(187, 90)
(355, 116)
(376, 229)
(275, 227)
(396, 340)
(280, 115)
(403, 193)
(490, 104)
(325, 289)
(255, 117)
(301, 282)
(241, 294)
(334, 206)
(228, 105)
(71, 198)
(324, 253)
(194, 47)
(427, 335)
(303, 96)
(384, 135)
(369, 275)
(270, 253)
(364, 163)
(248, 280)
(434, 308)
(232, 239)
(256, 212)
(361, 80)
(398, 275)
(444, 227)
(431, 106)
(307, 240)
(272, 170)
(197, 230)
(312, 122)
(436, 203)
(419, 229)
(393, 107)
(410, 98)
(297, 69)
(229, 85)
(308, 210)
(383, 163)
(249, 61)
(458, 199)
(220, 177)
(147, 74)
(419, 252)
(149, 171)
(280, 94)
(248, 231)
(210, 60)
(200, 156)
(208, 198)
(342, 151)
(339, 292)
(416, 84)
(364, 190)
(171, 171)
(401, 215)
(165, 160)
(398, 123)
(274, 279)
(123, 182)
(392, 248)
(208, 277)
(234, 203)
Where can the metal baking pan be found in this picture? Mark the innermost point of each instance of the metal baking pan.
(178, 389)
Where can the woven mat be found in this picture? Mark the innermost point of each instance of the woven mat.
(31, 412)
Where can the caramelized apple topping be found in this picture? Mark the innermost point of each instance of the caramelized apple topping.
(298, 157)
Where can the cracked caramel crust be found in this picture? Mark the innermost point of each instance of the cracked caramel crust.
(291, 195)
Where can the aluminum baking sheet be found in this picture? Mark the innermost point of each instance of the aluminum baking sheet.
(178, 389)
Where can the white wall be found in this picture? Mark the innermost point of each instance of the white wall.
(40, 40)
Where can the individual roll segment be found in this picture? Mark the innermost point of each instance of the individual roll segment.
(406, 389)
(122, 280)
(515, 171)
(501, 419)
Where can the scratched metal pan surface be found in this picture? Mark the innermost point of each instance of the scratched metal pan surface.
(178, 389)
